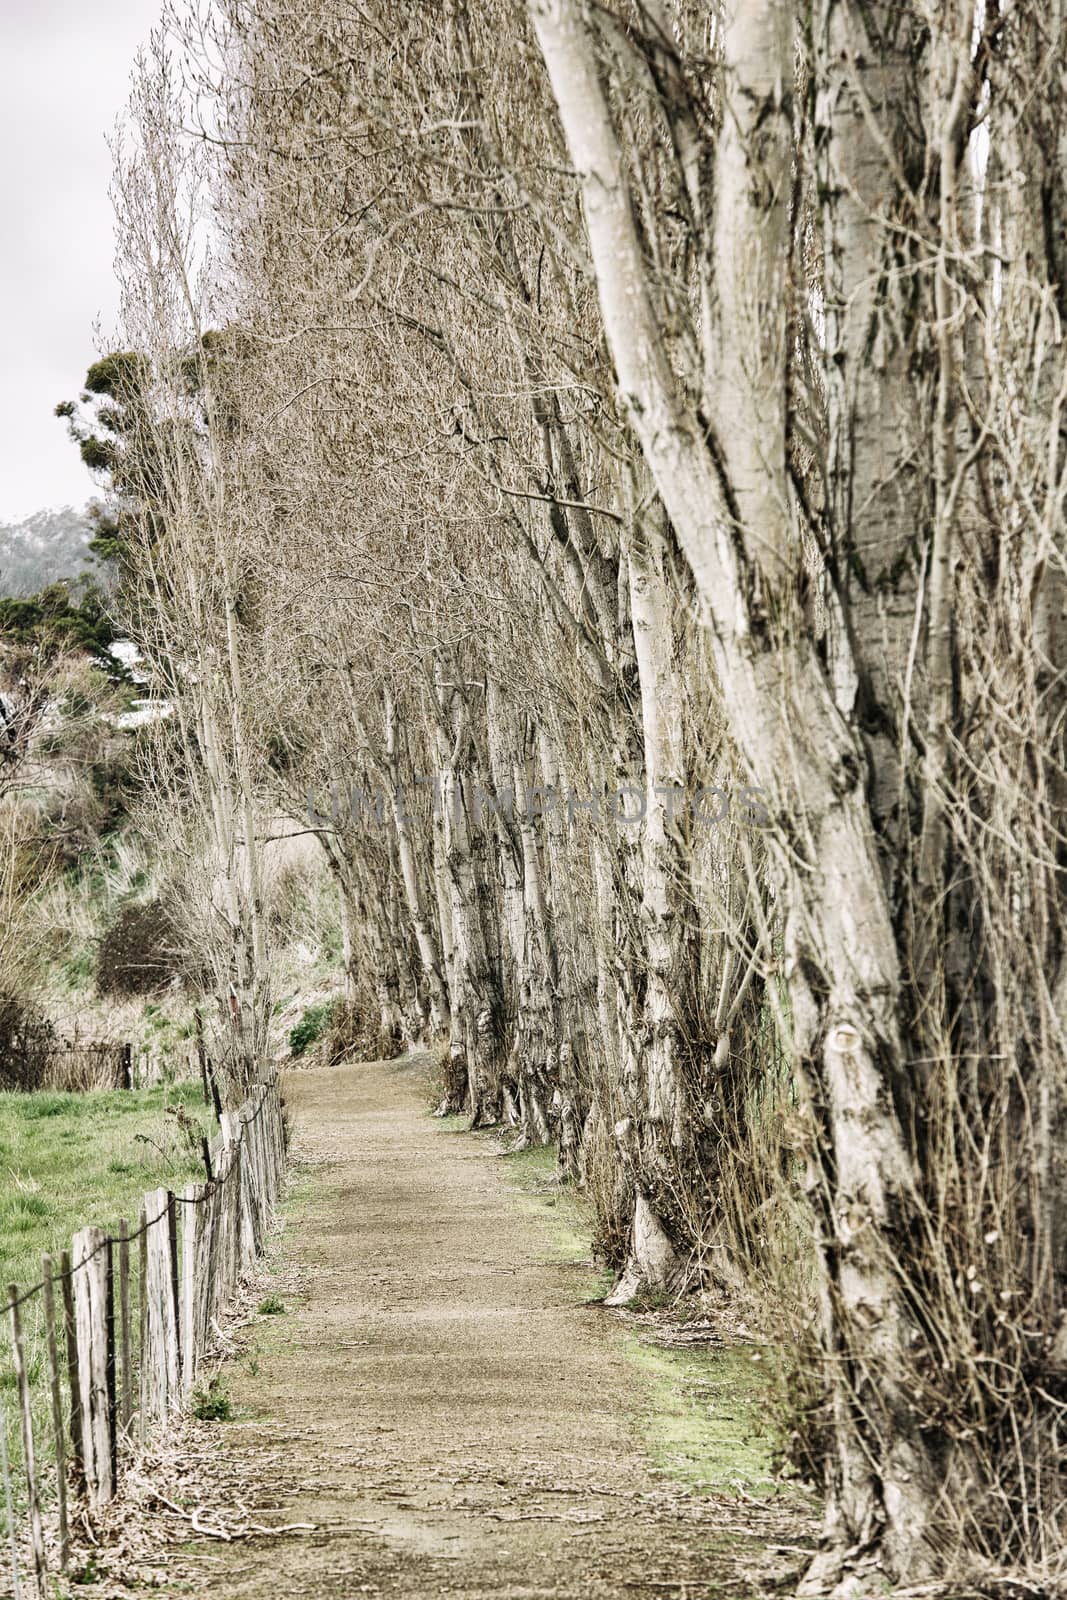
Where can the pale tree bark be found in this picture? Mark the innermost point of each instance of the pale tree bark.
(477, 1045)
(371, 970)
(531, 965)
(423, 929)
(540, 997)
(840, 951)
(573, 953)
(655, 1138)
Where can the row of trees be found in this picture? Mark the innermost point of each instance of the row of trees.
(601, 468)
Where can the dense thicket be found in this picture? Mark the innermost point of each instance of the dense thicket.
(606, 478)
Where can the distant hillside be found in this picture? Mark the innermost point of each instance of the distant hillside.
(45, 547)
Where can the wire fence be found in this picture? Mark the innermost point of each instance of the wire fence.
(67, 1065)
(75, 1066)
(106, 1348)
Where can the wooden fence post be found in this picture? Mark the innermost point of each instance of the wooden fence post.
(142, 1317)
(236, 1217)
(58, 1428)
(276, 1132)
(92, 1291)
(253, 1178)
(219, 1245)
(112, 1407)
(279, 1126)
(125, 1327)
(194, 1221)
(5, 1473)
(70, 1337)
(201, 1055)
(213, 1084)
(160, 1374)
(266, 1145)
(22, 1378)
(175, 1295)
(206, 1265)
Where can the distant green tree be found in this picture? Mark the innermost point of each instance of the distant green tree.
(57, 622)
(122, 439)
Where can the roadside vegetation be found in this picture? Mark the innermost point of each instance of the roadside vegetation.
(68, 1161)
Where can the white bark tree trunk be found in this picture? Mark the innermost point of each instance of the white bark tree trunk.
(440, 1016)
(733, 522)
(476, 1044)
(656, 1137)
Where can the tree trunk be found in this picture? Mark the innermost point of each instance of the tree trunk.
(421, 924)
(656, 1138)
(477, 1038)
(840, 950)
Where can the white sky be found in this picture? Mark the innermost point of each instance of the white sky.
(65, 70)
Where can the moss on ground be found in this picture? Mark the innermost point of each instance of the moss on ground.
(702, 1423)
(701, 1418)
(273, 1332)
(455, 1122)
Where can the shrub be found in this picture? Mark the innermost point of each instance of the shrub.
(352, 1033)
(348, 1030)
(312, 1026)
(27, 1039)
(213, 1403)
(140, 952)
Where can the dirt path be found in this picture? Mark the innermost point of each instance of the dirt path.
(437, 1399)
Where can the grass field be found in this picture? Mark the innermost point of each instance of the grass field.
(68, 1160)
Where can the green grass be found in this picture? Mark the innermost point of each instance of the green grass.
(67, 1161)
(79, 967)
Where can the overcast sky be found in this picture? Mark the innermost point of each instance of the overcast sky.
(66, 65)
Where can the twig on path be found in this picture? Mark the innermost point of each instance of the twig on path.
(179, 1511)
(227, 1535)
(287, 1527)
(206, 1530)
(545, 1516)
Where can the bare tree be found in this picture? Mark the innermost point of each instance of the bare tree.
(635, 406)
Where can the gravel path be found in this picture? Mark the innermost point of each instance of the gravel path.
(438, 1399)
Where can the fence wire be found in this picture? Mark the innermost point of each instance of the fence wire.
(231, 1156)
